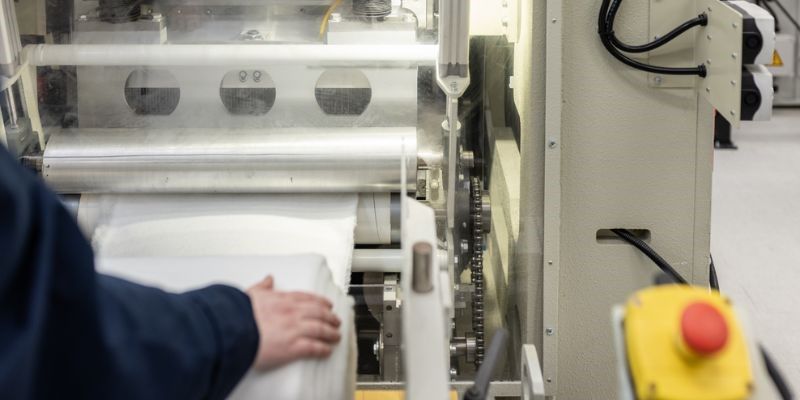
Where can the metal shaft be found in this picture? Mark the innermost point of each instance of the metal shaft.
(230, 161)
(231, 55)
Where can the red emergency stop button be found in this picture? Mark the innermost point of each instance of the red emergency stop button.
(703, 328)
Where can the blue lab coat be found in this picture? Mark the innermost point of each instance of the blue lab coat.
(67, 332)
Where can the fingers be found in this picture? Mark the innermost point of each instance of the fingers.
(265, 284)
(319, 330)
(268, 283)
(310, 311)
(310, 348)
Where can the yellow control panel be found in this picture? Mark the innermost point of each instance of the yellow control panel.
(685, 343)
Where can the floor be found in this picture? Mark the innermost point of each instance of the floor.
(755, 234)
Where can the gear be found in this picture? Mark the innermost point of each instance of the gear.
(476, 269)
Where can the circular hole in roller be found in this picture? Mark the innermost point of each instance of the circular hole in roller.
(152, 92)
(343, 92)
(247, 92)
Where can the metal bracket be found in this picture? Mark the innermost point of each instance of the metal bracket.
(719, 47)
(426, 340)
(532, 382)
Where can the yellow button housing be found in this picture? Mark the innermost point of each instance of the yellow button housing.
(661, 366)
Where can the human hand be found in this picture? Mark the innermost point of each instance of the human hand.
(291, 325)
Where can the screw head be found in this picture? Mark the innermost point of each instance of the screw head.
(549, 331)
(552, 144)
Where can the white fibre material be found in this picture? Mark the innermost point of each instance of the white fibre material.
(223, 225)
(332, 378)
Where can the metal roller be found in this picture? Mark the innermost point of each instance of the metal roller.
(294, 160)
(378, 217)
(228, 55)
(376, 214)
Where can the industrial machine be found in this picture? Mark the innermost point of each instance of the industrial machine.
(495, 146)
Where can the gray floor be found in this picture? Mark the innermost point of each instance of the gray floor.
(755, 235)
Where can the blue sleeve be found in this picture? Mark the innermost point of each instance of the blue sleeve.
(68, 332)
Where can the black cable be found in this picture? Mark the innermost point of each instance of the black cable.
(605, 30)
(700, 20)
(629, 237)
(776, 376)
(713, 281)
(786, 13)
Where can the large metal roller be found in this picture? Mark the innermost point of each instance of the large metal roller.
(228, 55)
(293, 160)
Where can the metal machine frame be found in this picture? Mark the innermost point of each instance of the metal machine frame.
(568, 142)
